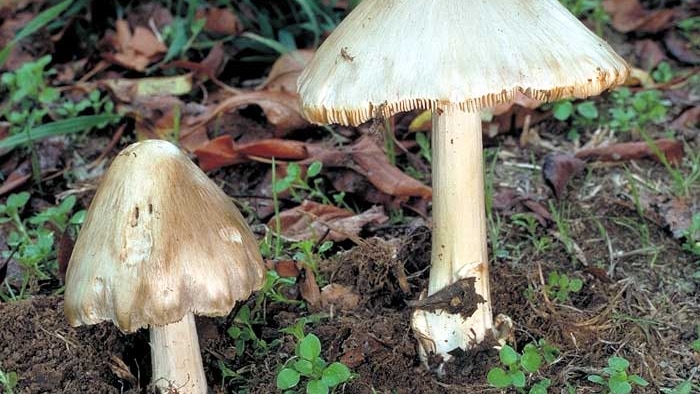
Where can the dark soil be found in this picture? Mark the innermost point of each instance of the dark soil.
(636, 314)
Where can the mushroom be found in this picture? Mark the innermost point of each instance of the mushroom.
(161, 242)
(454, 57)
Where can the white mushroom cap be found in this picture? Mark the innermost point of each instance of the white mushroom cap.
(160, 240)
(390, 56)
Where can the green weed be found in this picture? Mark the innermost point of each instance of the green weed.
(319, 376)
(529, 223)
(615, 377)
(560, 285)
(684, 387)
(31, 242)
(8, 381)
(590, 9)
(636, 111)
(662, 73)
(518, 365)
(36, 110)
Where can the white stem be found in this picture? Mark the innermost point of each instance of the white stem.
(459, 231)
(176, 359)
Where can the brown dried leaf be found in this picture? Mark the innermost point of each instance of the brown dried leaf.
(341, 297)
(122, 371)
(558, 168)
(209, 67)
(314, 221)
(285, 72)
(629, 15)
(308, 287)
(677, 215)
(649, 53)
(681, 48)
(687, 120)
(372, 162)
(223, 151)
(220, 21)
(281, 109)
(671, 149)
(219, 152)
(134, 50)
(287, 268)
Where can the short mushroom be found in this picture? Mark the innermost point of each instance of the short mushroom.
(454, 57)
(161, 242)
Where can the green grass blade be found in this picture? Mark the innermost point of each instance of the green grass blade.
(59, 127)
(35, 24)
(42, 19)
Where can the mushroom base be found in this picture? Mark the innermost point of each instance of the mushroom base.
(176, 358)
(459, 236)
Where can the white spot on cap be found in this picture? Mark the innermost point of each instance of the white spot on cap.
(230, 234)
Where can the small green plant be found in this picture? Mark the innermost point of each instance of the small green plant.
(424, 144)
(518, 365)
(560, 285)
(590, 9)
(529, 223)
(35, 110)
(695, 345)
(244, 335)
(320, 377)
(662, 73)
(689, 28)
(615, 377)
(307, 185)
(692, 236)
(31, 242)
(8, 381)
(684, 387)
(636, 111)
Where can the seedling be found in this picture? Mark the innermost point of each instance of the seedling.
(244, 335)
(319, 376)
(306, 185)
(692, 236)
(8, 381)
(31, 242)
(662, 73)
(518, 365)
(695, 345)
(636, 111)
(529, 223)
(560, 285)
(684, 387)
(589, 9)
(615, 377)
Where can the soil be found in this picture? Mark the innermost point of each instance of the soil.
(638, 314)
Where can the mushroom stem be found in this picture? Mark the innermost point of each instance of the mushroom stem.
(176, 359)
(459, 233)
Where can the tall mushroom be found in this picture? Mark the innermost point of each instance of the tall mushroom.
(454, 57)
(160, 243)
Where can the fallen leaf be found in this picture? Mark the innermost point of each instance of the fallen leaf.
(308, 287)
(341, 297)
(681, 48)
(314, 221)
(121, 370)
(126, 89)
(285, 71)
(687, 120)
(223, 151)
(629, 15)
(280, 108)
(371, 161)
(649, 53)
(134, 50)
(220, 21)
(671, 149)
(677, 215)
(558, 169)
(64, 249)
(286, 268)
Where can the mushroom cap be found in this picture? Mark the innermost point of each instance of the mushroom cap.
(389, 56)
(160, 240)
